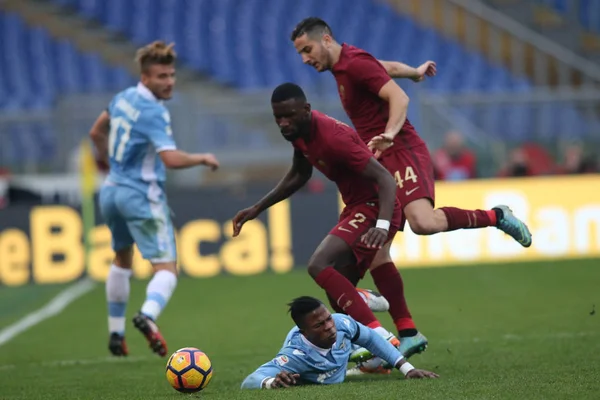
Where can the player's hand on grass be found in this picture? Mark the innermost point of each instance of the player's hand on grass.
(420, 374)
(428, 68)
(375, 237)
(380, 143)
(242, 217)
(285, 379)
(210, 161)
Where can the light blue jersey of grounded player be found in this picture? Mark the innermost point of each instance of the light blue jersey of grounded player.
(323, 366)
(140, 128)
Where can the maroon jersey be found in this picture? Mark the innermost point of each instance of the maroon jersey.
(335, 149)
(360, 77)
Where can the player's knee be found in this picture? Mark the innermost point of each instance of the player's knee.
(314, 269)
(124, 257)
(421, 217)
(318, 262)
(170, 266)
(422, 224)
(382, 257)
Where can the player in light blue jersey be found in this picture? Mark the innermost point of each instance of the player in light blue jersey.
(316, 350)
(134, 138)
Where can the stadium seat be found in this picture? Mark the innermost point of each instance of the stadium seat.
(36, 67)
(34, 70)
(588, 12)
(238, 44)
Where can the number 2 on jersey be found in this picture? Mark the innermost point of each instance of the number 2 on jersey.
(115, 149)
(359, 219)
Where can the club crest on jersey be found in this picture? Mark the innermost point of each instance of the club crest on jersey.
(342, 92)
(281, 360)
(322, 163)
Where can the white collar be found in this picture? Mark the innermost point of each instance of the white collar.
(320, 350)
(145, 92)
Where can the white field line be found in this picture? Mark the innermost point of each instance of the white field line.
(52, 308)
(511, 337)
(70, 363)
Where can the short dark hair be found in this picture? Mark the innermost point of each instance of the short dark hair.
(301, 306)
(312, 26)
(157, 52)
(287, 91)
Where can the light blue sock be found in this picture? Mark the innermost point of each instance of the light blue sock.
(117, 295)
(158, 293)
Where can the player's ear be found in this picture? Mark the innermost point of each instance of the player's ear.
(144, 77)
(307, 107)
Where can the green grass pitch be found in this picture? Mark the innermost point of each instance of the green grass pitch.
(526, 331)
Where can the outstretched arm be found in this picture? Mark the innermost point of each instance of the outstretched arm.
(270, 378)
(396, 69)
(387, 188)
(158, 127)
(357, 158)
(377, 345)
(99, 136)
(398, 104)
(398, 100)
(273, 375)
(368, 72)
(299, 173)
(297, 176)
(177, 159)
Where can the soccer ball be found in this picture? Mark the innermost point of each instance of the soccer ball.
(189, 370)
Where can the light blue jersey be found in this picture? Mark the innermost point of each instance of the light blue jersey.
(323, 366)
(132, 200)
(140, 128)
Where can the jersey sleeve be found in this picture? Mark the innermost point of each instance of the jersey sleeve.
(347, 324)
(348, 150)
(110, 105)
(365, 70)
(158, 128)
(288, 337)
(377, 345)
(285, 361)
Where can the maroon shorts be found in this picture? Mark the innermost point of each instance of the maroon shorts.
(354, 222)
(412, 169)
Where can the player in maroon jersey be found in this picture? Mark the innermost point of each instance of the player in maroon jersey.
(377, 107)
(372, 214)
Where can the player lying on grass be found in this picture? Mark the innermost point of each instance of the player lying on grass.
(316, 350)
(372, 213)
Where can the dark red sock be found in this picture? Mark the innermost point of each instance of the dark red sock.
(334, 305)
(468, 219)
(346, 297)
(389, 284)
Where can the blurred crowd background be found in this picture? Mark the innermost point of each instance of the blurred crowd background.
(516, 92)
